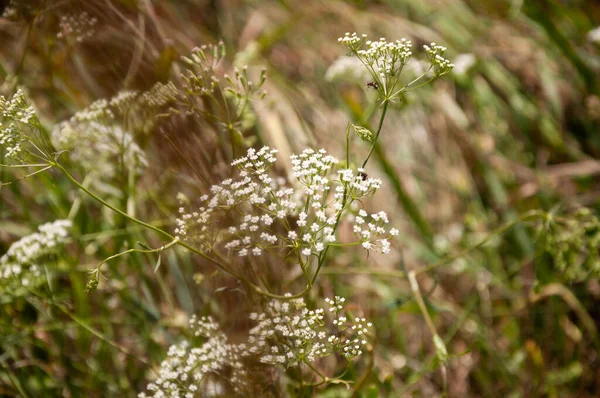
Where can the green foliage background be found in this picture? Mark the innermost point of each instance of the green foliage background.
(515, 132)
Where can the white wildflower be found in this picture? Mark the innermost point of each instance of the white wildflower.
(297, 220)
(20, 265)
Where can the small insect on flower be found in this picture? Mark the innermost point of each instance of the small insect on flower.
(373, 85)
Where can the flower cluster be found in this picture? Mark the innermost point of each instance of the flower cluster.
(18, 125)
(289, 334)
(95, 144)
(385, 61)
(16, 9)
(76, 26)
(369, 232)
(11, 139)
(187, 366)
(435, 54)
(387, 57)
(20, 265)
(102, 134)
(257, 211)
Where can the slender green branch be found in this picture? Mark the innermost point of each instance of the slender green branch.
(325, 378)
(440, 347)
(27, 176)
(381, 119)
(113, 208)
(348, 146)
(158, 250)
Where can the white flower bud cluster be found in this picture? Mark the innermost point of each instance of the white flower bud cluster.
(435, 53)
(385, 61)
(388, 57)
(11, 139)
(16, 8)
(258, 212)
(10, 11)
(385, 58)
(289, 334)
(368, 228)
(15, 115)
(18, 109)
(352, 40)
(188, 366)
(20, 264)
(77, 26)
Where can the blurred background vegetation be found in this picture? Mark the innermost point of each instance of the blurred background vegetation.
(514, 128)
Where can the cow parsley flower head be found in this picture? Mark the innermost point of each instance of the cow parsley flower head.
(385, 61)
(96, 146)
(102, 135)
(19, 127)
(188, 366)
(289, 334)
(21, 9)
(256, 211)
(77, 27)
(435, 53)
(20, 266)
(286, 335)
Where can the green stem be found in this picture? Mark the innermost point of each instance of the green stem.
(381, 119)
(325, 378)
(324, 254)
(160, 249)
(113, 208)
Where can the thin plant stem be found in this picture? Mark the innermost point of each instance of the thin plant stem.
(381, 119)
(437, 341)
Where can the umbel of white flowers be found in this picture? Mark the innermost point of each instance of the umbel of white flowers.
(99, 136)
(20, 265)
(286, 335)
(296, 219)
(385, 61)
(15, 115)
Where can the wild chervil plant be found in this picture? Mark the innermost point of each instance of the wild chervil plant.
(253, 216)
